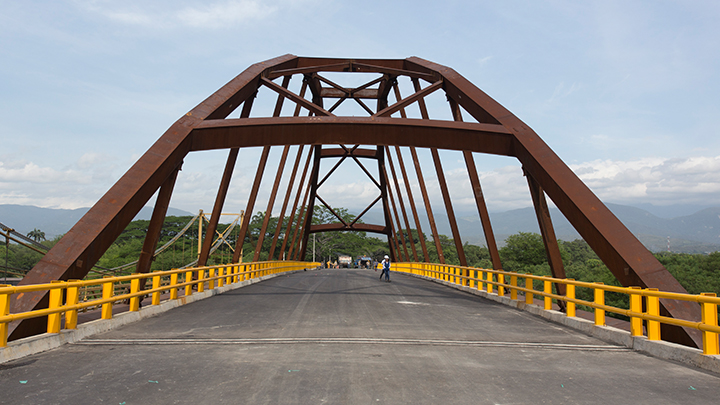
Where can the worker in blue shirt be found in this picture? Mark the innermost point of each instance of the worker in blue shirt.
(386, 268)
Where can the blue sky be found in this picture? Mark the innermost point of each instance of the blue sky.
(625, 92)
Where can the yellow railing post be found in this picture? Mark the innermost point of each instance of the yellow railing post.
(513, 282)
(173, 283)
(489, 285)
(134, 288)
(636, 324)
(188, 278)
(107, 292)
(221, 280)
(653, 308)
(547, 289)
(600, 300)
(236, 270)
(4, 311)
(56, 294)
(73, 296)
(471, 282)
(501, 281)
(529, 299)
(465, 273)
(156, 284)
(570, 293)
(211, 282)
(201, 280)
(229, 274)
(709, 317)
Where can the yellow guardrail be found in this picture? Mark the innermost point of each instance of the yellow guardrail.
(486, 279)
(65, 295)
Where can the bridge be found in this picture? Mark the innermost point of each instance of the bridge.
(659, 307)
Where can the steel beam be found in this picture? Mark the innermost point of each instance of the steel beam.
(250, 204)
(271, 203)
(222, 191)
(311, 202)
(288, 192)
(291, 220)
(397, 217)
(482, 211)
(448, 207)
(547, 233)
(401, 203)
(428, 208)
(155, 227)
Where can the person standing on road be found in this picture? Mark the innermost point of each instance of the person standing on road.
(386, 268)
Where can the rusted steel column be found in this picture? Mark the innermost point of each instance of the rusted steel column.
(222, 190)
(294, 247)
(548, 233)
(286, 237)
(281, 98)
(428, 208)
(395, 245)
(411, 200)
(251, 204)
(482, 210)
(477, 192)
(156, 222)
(271, 202)
(276, 184)
(311, 202)
(418, 170)
(285, 202)
(401, 202)
(448, 206)
(217, 208)
(315, 88)
(397, 217)
(383, 193)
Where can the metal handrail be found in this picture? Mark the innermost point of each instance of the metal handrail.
(195, 278)
(485, 280)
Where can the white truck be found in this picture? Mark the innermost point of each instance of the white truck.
(344, 261)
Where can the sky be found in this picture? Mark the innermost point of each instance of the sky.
(625, 92)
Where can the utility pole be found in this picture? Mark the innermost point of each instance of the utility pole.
(313, 248)
(7, 247)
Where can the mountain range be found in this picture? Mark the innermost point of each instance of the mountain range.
(698, 232)
(54, 222)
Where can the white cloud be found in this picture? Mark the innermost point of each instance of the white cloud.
(29, 172)
(225, 13)
(218, 14)
(77, 185)
(654, 180)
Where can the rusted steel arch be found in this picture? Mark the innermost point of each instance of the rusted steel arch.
(497, 131)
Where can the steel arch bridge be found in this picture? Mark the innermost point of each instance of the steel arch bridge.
(479, 125)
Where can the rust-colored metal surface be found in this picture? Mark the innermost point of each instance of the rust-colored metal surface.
(489, 129)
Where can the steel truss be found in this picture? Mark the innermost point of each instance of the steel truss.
(493, 130)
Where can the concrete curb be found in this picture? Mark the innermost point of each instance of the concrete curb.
(47, 341)
(656, 348)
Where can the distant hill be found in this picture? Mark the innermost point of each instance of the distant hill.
(695, 233)
(25, 218)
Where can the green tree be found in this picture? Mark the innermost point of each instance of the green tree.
(36, 235)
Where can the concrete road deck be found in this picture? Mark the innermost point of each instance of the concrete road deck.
(344, 337)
